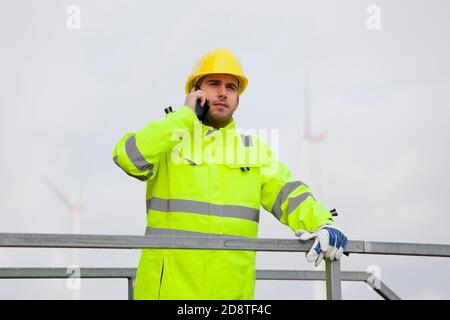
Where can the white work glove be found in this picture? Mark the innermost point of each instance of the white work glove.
(330, 243)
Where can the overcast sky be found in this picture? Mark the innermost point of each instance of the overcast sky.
(380, 97)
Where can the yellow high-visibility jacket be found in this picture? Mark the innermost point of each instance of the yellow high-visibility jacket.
(213, 187)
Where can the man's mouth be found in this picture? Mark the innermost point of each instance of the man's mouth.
(220, 104)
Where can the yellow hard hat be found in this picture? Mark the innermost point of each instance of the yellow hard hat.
(219, 60)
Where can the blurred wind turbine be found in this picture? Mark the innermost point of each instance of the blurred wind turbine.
(313, 137)
(75, 209)
(312, 140)
(311, 143)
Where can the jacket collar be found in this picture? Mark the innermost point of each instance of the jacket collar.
(207, 130)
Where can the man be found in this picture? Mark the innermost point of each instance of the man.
(214, 187)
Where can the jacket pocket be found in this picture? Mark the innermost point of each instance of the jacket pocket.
(188, 179)
(242, 183)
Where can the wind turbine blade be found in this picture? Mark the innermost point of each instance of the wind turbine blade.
(59, 194)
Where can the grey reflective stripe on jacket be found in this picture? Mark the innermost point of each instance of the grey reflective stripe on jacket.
(142, 178)
(247, 140)
(205, 208)
(184, 233)
(135, 155)
(295, 202)
(284, 193)
(137, 159)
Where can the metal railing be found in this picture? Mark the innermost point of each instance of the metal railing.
(332, 275)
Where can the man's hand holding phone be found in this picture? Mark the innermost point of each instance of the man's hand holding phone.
(191, 101)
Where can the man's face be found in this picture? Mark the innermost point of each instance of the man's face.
(222, 94)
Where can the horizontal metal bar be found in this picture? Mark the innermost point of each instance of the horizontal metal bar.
(55, 273)
(289, 275)
(14, 240)
(155, 242)
(307, 275)
(130, 273)
(407, 249)
(59, 273)
(262, 274)
(382, 289)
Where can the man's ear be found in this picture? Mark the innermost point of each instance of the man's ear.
(237, 103)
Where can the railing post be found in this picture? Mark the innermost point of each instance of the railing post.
(131, 282)
(333, 279)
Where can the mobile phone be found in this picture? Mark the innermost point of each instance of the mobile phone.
(199, 110)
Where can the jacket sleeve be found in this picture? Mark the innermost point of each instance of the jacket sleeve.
(138, 153)
(290, 201)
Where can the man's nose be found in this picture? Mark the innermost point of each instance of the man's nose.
(222, 91)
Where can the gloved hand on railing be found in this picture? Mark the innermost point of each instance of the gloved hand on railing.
(330, 243)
